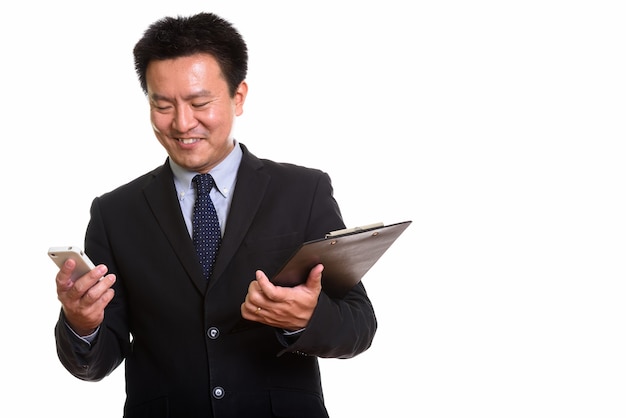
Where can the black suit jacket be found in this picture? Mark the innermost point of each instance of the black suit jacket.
(187, 350)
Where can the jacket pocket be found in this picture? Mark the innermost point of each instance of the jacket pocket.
(297, 404)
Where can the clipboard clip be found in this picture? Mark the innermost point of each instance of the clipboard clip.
(353, 230)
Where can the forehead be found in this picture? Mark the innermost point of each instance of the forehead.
(189, 72)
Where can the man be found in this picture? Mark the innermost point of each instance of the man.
(224, 343)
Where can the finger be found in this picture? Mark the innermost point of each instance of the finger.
(249, 310)
(248, 306)
(65, 273)
(92, 278)
(101, 292)
(98, 273)
(314, 281)
(85, 312)
(265, 286)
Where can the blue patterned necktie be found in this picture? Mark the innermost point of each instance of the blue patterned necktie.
(206, 227)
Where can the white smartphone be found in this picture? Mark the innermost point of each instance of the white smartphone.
(83, 263)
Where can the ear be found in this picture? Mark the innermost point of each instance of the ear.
(240, 97)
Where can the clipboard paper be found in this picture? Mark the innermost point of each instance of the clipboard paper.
(346, 255)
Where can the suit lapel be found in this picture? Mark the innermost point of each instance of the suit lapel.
(249, 191)
(161, 197)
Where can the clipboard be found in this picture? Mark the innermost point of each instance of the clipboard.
(346, 255)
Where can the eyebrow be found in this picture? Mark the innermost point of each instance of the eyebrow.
(201, 93)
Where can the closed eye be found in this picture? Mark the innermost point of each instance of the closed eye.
(200, 105)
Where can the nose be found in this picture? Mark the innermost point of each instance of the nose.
(184, 119)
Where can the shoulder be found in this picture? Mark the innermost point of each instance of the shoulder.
(284, 170)
(162, 173)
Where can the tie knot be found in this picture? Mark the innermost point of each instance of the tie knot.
(204, 183)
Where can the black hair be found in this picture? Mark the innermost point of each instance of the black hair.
(207, 33)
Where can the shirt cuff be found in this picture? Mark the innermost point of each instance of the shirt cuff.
(87, 338)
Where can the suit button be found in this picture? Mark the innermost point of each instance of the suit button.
(218, 392)
(213, 333)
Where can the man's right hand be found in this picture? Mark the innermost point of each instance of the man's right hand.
(84, 300)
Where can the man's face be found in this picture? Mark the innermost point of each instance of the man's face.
(191, 110)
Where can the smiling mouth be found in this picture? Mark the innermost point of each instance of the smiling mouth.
(188, 140)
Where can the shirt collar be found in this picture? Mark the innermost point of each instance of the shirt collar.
(224, 174)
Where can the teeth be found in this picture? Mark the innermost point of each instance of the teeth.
(188, 140)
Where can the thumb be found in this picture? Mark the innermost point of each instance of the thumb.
(314, 281)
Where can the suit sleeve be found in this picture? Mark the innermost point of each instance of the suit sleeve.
(93, 362)
(77, 355)
(340, 327)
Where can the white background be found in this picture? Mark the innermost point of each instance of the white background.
(496, 126)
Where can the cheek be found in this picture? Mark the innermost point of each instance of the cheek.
(209, 117)
(216, 117)
(160, 122)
